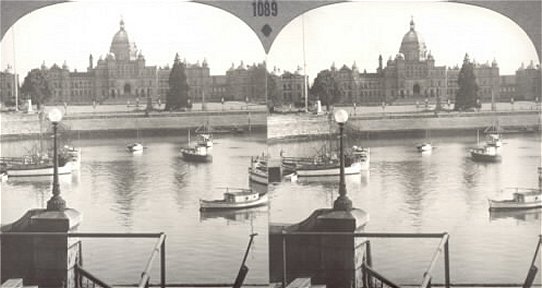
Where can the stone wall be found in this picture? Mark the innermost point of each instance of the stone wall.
(21, 124)
(285, 126)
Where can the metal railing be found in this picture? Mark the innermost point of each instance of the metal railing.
(367, 262)
(89, 279)
(533, 269)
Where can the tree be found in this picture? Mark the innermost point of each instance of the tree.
(468, 89)
(273, 94)
(37, 87)
(326, 88)
(177, 96)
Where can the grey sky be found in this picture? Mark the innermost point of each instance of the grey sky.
(340, 33)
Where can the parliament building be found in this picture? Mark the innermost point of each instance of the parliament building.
(123, 76)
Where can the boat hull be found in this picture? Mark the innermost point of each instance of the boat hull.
(38, 170)
(206, 205)
(512, 205)
(481, 157)
(258, 176)
(355, 168)
(196, 157)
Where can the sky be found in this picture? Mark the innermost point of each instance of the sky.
(341, 33)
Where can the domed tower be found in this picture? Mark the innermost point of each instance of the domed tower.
(120, 46)
(412, 46)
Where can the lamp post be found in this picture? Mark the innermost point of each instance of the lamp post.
(342, 203)
(56, 203)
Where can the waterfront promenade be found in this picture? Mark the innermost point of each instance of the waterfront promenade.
(406, 118)
(117, 118)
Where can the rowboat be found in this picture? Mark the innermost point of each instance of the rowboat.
(235, 198)
(135, 147)
(485, 154)
(522, 198)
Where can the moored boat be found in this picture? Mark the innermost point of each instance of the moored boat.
(135, 147)
(257, 172)
(522, 198)
(196, 154)
(362, 155)
(71, 154)
(38, 169)
(485, 154)
(356, 160)
(235, 198)
(494, 140)
(424, 147)
(327, 169)
(205, 140)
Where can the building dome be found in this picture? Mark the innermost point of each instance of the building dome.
(120, 46)
(413, 46)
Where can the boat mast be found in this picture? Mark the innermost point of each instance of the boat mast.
(305, 76)
(15, 80)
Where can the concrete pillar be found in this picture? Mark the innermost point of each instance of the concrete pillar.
(327, 260)
(41, 260)
(55, 257)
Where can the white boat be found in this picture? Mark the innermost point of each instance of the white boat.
(39, 169)
(196, 154)
(425, 147)
(494, 140)
(323, 169)
(135, 147)
(205, 140)
(522, 198)
(235, 198)
(257, 172)
(363, 156)
(72, 154)
(485, 154)
(3, 176)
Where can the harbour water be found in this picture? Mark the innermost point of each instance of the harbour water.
(156, 191)
(443, 191)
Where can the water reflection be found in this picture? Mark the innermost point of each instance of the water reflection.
(242, 215)
(441, 191)
(527, 215)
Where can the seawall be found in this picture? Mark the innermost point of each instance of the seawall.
(20, 125)
(301, 125)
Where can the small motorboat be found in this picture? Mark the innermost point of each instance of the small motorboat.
(235, 198)
(522, 198)
(135, 147)
(425, 147)
(196, 154)
(485, 154)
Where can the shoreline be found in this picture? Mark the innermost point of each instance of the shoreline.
(290, 127)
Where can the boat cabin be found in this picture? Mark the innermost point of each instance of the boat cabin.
(525, 197)
(244, 196)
